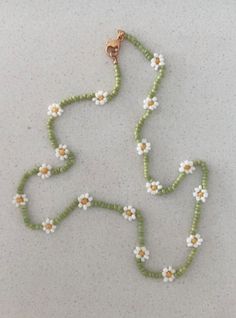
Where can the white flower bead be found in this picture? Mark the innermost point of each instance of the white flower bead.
(168, 274)
(84, 201)
(129, 213)
(55, 110)
(100, 97)
(157, 61)
(62, 152)
(187, 167)
(150, 103)
(200, 194)
(153, 187)
(143, 147)
(141, 253)
(44, 171)
(194, 240)
(48, 226)
(19, 200)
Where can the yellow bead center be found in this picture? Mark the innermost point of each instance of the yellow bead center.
(200, 194)
(84, 201)
(187, 167)
(101, 97)
(194, 240)
(141, 253)
(62, 151)
(55, 109)
(169, 274)
(20, 199)
(44, 170)
(129, 212)
(48, 226)
(150, 103)
(154, 187)
(157, 61)
(143, 146)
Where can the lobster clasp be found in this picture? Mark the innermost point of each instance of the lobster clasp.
(113, 46)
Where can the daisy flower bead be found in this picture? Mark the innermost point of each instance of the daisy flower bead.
(19, 200)
(153, 187)
(129, 213)
(44, 171)
(200, 194)
(194, 240)
(150, 103)
(143, 147)
(100, 98)
(187, 167)
(157, 61)
(55, 110)
(168, 274)
(141, 253)
(84, 201)
(62, 152)
(48, 226)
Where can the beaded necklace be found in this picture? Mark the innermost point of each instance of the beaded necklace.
(154, 187)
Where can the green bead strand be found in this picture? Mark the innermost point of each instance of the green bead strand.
(148, 54)
(76, 99)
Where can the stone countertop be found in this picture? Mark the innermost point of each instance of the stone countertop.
(50, 50)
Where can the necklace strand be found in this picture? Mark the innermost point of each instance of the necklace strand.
(154, 187)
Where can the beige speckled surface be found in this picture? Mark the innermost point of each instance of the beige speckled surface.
(52, 49)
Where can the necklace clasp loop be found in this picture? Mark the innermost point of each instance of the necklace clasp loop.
(113, 46)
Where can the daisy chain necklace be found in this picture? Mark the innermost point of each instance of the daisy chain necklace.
(153, 186)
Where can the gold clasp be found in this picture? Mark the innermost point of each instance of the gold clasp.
(113, 46)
